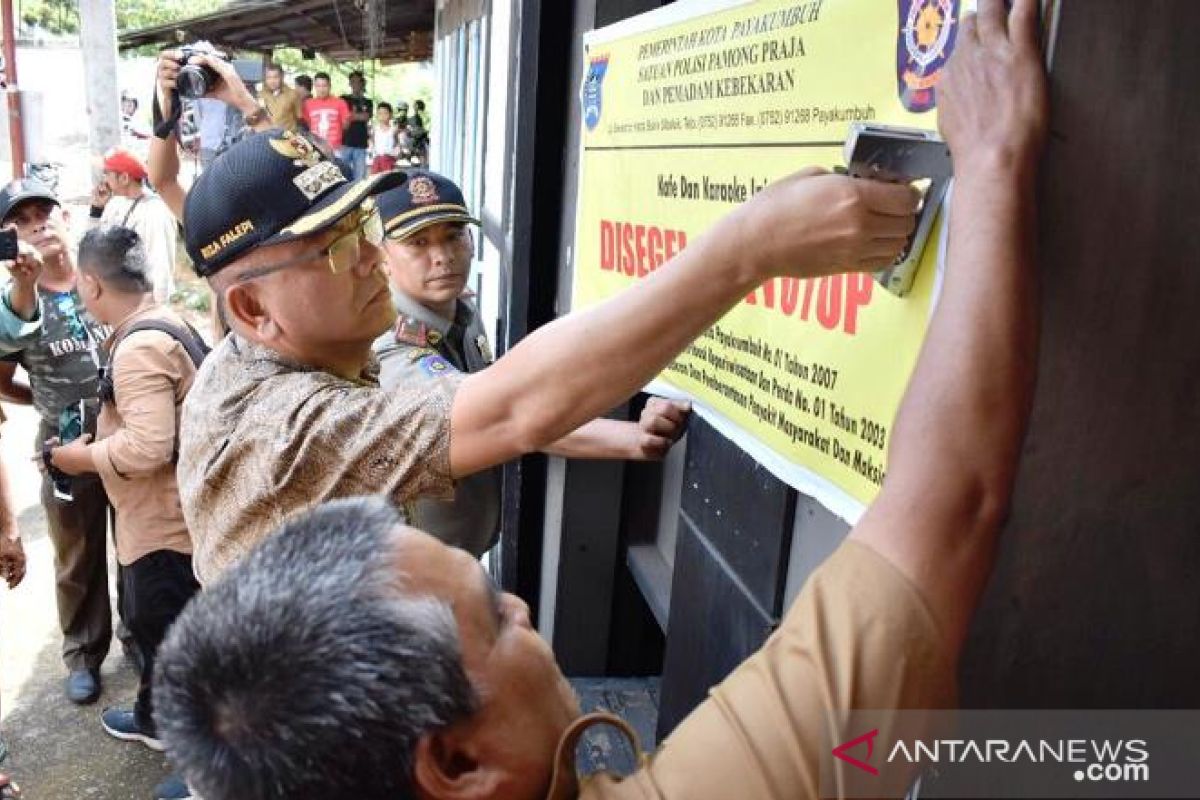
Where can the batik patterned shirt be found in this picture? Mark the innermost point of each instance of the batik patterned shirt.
(263, 439)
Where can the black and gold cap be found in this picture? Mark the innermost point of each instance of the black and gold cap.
(425, 199)
(269, 188)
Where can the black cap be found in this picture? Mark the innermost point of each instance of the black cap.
(425, 199)
(19, 191)
(271, 187)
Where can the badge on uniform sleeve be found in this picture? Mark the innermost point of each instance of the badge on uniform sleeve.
(485, 349)
(411, 331)
(434, 365)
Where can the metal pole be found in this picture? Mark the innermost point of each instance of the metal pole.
(16, 129)
(98, 39)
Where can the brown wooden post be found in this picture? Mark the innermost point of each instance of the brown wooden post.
(16, 130)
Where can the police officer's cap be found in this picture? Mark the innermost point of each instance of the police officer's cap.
(425, 199)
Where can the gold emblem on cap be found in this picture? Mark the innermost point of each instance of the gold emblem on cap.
(294, 146)
(423, 190)
(317, 178)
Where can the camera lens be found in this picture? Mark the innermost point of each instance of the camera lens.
(192, 81)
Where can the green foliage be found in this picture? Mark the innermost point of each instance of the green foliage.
(62, 16)
(55, 16)
(135, 14)
(193, 297)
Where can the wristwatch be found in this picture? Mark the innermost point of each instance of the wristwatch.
(256, 116)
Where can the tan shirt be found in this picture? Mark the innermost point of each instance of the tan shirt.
(135, 450)
(284, 107)
(859, 637)
(264, 439)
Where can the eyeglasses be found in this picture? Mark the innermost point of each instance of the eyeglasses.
(343, 252)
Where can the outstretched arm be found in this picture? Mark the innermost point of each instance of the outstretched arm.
(958, 433)
(660, 426)
(807, 225)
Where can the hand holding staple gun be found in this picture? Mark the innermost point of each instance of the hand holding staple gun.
(902, 155)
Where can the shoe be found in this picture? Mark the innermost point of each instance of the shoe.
(83, 686)
(173, 788)
(122, 724)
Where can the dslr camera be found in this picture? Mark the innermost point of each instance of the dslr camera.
(197, 80)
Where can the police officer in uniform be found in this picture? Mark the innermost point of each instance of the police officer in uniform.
(438, 329)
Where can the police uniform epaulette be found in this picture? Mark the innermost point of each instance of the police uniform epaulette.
(412, 331)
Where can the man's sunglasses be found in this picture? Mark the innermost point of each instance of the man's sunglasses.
(343, 252)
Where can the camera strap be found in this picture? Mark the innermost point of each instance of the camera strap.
(163, 128)
(129, 213)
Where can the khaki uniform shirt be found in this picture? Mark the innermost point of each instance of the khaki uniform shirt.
(283, 107)
(419, 349)
(135, 448)
(264, 438)
(859, 637)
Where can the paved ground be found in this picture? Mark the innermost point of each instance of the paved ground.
(59, 751)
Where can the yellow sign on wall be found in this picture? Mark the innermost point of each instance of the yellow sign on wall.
(694, 108)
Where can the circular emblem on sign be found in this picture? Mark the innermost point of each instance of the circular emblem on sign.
(422, 190)
(924, 41)
(927, 30)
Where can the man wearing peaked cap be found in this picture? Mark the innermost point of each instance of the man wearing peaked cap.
(287, 412)
(60, 360)
(122, 199)
(429, 246)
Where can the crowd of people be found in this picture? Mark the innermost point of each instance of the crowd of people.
(299, 512)
(370, 137)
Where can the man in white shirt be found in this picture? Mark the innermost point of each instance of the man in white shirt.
(122, 199)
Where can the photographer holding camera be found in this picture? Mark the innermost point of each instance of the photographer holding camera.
(194, 72)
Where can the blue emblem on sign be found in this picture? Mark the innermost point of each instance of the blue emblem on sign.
(592, 84)
(434, 365)
(928, 30)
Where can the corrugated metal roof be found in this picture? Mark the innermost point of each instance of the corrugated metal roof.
(334, 28)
